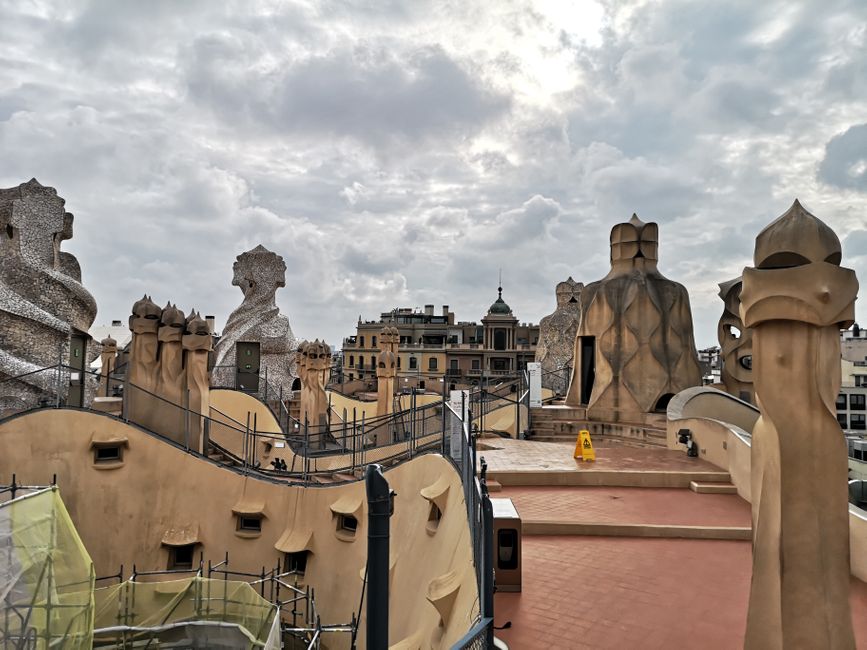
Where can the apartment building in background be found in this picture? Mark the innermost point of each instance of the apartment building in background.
(434, 347)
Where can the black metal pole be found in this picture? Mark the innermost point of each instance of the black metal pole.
(487, 605)
(378, 514)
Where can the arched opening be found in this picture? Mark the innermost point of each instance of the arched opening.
(296, 384)
(662, 402)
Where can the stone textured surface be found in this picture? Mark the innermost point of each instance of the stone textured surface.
(736, 344)
(642, 324)
(42, 299)
(557, 337)
(258, 273)
(795, 300)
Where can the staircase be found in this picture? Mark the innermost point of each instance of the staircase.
(559, 423)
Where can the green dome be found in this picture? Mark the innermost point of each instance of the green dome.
(499, 306)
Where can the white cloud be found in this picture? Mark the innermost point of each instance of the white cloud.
(401, 153)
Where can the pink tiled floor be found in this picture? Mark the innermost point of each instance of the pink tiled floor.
(628, 506)
(599, 592)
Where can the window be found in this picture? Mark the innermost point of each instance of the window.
(351, 376)
(861, 380)
(347, 524)
(373, 362)
(453, 364)
(107, 454)
(297, 562)
(250, 523)
(843, 420)
(181, 557)
(856, 422)
(413, 363)
(841, 402)
(432, 363)
(361, 344)
(351, 360)
(857, 402)
(476, 364)
(398, 362)
(373, 345)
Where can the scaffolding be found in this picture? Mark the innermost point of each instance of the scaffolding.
(46, 575)
(193, 612)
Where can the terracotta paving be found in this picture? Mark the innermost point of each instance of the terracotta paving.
(603, 592)
(540, 456)
(679, 507)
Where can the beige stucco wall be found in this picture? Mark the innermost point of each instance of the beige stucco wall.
(721, 406)
(368, 409)
(122, 515)
(721, 444)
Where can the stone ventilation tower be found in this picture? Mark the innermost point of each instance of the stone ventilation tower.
(314, 367)
(736, 344)
(45, 311)
(386, 370)
(557, 336)
(167, 373)
(257, 327)
(795, 300)
(634, 348)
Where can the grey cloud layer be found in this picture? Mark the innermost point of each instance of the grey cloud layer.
(401, 153)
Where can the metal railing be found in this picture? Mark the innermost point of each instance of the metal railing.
(461, 446)
(318, 452)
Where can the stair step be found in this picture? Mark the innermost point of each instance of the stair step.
(703, 487)
(494, 486)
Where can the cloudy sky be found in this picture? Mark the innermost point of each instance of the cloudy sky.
(399, 153)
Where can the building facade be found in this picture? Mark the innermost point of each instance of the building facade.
(434, 347)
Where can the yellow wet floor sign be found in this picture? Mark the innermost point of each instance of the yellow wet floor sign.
(584, 446)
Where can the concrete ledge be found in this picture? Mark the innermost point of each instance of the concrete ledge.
(606, 478)
(712, 488)
(636, 530)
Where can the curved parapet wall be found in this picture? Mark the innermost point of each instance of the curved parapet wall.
(702, 410)
(42, 300)
(707, 402)
(155, 497)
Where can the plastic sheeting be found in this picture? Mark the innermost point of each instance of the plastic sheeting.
(190, 613)
(46, 576)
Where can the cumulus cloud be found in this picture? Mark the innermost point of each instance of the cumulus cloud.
(399, 154)
(845, 161)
